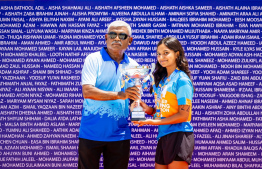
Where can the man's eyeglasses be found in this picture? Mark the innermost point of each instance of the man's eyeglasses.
(121, 36)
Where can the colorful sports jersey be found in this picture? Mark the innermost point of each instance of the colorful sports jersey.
(105, 120)
(178, 91)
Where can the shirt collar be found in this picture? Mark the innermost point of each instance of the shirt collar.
(106, 57)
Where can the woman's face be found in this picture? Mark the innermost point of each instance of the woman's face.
(166, 57)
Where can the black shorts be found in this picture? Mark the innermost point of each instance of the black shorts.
(177, 146)
(115, 154)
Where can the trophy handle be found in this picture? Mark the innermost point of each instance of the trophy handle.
(153, 66)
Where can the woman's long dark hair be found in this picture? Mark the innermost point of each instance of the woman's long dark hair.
(181, 61)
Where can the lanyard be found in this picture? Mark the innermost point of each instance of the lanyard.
(159, 91)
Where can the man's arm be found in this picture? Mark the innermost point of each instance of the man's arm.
(91, 92)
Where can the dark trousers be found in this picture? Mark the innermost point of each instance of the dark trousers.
(115, 154)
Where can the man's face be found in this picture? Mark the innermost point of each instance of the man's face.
(118, 44)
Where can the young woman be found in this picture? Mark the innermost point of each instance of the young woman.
(173, 91)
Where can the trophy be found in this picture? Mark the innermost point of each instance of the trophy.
(139, 75)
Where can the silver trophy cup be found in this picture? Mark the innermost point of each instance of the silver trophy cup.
(136, 74)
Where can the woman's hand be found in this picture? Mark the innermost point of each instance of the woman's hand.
(145, 107)
(148, 110)
(133, 105)
(141, 123)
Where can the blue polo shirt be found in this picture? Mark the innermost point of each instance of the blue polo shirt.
(105, 120)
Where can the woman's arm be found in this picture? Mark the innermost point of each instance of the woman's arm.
(181, 116)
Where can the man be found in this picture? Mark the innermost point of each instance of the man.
(104, 127)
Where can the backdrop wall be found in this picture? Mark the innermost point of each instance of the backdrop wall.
(43, 45)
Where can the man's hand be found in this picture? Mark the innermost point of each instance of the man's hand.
(131, 93)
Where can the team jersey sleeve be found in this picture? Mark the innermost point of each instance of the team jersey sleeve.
(184, 91)
(89, 71)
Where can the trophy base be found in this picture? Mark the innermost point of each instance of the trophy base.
(138, 116)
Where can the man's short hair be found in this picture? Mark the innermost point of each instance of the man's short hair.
(120, 24)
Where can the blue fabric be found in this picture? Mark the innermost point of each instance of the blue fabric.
(104, 120)
(179, 91)
(106, 57)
